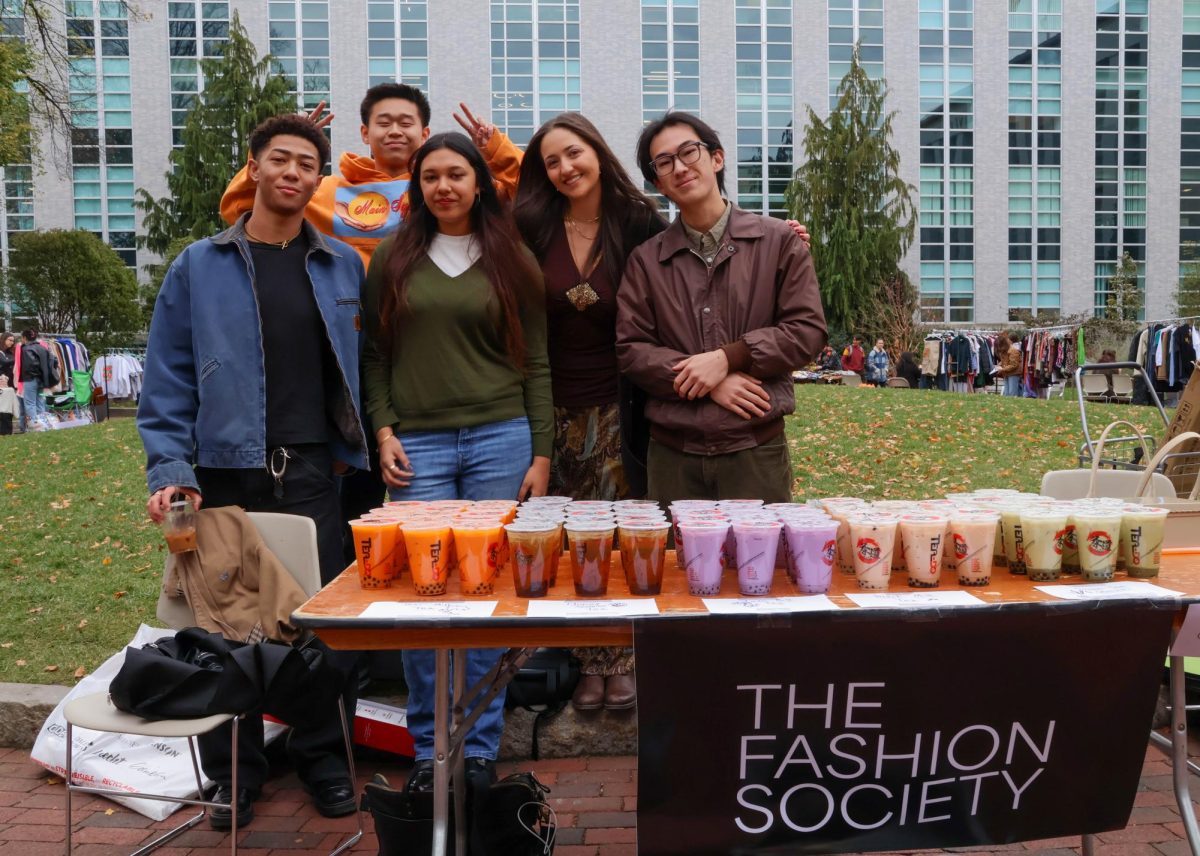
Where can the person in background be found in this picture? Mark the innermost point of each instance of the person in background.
(33, 368)
(878, 365)
(251, 398)
(1008, 363)
(457, 381)
(908, 369)
(8, 361)
(828, 360)
(1108, 356)
(853, 357)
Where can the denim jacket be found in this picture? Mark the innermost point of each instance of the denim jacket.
(204, 397)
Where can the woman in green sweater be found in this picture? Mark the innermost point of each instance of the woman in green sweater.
(456, 378)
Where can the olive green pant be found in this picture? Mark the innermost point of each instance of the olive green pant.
(764, 472)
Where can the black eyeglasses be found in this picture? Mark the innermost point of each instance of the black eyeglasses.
(687, 154)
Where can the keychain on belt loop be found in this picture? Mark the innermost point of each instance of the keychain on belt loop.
(277, 474)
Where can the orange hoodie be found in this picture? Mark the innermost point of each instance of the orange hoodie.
(361, 205)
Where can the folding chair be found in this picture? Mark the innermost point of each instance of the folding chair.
(293, 539)
(1094, 387)
(1122, 388)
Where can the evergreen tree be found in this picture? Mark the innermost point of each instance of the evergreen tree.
(239, 92)
(1187, 289)
(1124, 301)
(15, 125)
(850, 195)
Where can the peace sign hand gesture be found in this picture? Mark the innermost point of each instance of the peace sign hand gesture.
(478, 130)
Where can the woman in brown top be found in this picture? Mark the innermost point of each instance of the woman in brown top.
(581, 215)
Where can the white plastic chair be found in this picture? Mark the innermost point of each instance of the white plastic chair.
(1094, 386)
(293, 539)
(1122, 388)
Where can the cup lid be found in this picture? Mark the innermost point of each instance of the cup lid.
(530, 526)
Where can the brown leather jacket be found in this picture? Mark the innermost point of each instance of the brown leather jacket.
(759, 302)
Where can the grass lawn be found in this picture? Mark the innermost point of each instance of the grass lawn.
(80, 564)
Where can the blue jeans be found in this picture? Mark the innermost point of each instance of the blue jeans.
(35, 405)
(484, 462)
(1012, 385)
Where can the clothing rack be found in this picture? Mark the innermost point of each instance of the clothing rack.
(137, 351)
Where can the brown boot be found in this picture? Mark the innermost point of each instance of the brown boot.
(589, 693)
(620, 692)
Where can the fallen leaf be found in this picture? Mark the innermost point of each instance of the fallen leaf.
(82, 624)
(109, 812)
(33, 610)
(22, 663)
(51, 668)
(80, 672)
(107, 561)
(120, 593)
(6, 645)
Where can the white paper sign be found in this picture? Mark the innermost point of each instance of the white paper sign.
(914, 599)
(431, 609)
(590, 608)
(761, 605)
(1122, 590)
(1187, 641)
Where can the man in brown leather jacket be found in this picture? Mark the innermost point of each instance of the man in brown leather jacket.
(713, 315)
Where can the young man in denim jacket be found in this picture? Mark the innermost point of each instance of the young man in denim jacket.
(251, 398)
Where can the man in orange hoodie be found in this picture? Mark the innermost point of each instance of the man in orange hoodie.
(368, 198)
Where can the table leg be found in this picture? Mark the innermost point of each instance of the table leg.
(458, 752)
(441, 750)
(1088, 845)
(1179, 753)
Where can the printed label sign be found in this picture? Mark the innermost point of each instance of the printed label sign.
(997, 733)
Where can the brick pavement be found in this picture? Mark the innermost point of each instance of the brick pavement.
(595, 799)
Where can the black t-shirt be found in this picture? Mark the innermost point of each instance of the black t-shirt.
(299, 364)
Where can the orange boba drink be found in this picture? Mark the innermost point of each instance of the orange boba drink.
(428, 543)
(479, 543)
(374, 546)
(643, 549)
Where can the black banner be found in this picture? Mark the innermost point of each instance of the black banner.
(860, 730)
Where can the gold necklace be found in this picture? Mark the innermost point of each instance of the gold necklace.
(574, 224)
(283, 245)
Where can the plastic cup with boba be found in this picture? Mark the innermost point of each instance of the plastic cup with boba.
(533, 549)
(179, 526)
(643, 545)
(590, 543)
(705, 554)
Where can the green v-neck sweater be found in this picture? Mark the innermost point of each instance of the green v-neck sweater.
(445, 366)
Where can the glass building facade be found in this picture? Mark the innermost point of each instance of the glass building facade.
(535, 63)
(947, 188)
(195, 31)
(398, 43)
(751, 68)
(765, 105)
(1034, 157)
(16, 179)
(101, 95)
(1122, 72)
(854, 23)
(299, 31)
(1189, 138)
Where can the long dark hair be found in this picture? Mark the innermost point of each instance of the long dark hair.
(508, 269)
(627, 215)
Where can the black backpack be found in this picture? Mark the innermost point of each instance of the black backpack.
(544, 685)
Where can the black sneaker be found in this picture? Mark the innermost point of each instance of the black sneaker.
(481, 770)
(221, 817)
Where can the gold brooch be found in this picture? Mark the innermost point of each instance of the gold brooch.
(582, 296)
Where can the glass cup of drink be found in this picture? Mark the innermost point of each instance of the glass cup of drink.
(179, 526)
